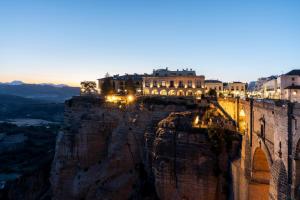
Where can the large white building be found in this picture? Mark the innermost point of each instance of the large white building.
(214, 85)
(173, 83)
(235, 89)
(286, 87)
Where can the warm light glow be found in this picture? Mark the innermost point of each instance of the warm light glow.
(197, 120)
(242, 113)
(130, 98)
(113, 98)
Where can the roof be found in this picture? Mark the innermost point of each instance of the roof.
(167, 72)
(213, 81)
(236, 82)
(294, 72)
(127, 77)
(296, 87)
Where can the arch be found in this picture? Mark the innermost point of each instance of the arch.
(198, 93)
(163, 92)
(146, 91)
(154, 92)
(242, 121)
(172, 93)
(279, 182)
(260, 176)
(180, 93)
(189, 93)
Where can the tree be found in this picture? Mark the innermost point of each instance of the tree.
(212, 93)
(88, 87)
(130, 86)
(107, 87)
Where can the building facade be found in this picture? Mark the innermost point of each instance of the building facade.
(214, 85)
(173, 83)
(235, 89)
(121, 84)
(285, 87)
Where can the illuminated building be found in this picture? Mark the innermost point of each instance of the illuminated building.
(173, 83)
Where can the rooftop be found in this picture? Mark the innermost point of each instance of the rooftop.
(167, 72)
(294, 72)
(213, 81)
(296, 87)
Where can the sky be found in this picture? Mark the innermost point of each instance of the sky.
(69, 41)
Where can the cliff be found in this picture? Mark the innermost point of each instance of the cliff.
(146, 150)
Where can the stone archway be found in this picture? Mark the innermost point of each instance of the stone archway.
(154, 92)
(242, 121)
(297, 171)
(198, 93)
(172, 93)
(189, 93)
(180, 93)
(260, 176)
(146, 91)
(163, 92)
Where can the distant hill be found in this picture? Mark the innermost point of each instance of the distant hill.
(49, 92)
(12, 107)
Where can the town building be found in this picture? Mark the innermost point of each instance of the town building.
(257, 91)
(173, 83)
(120, 84)
(285, 87)
(214, 85)
(235, 89)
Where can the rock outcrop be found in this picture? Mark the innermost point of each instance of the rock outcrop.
(146, 150)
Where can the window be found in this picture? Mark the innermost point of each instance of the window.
(190, 83)
(147, 84)
(293, 79)
(295, 92)
(171, 83)
(180, 84)
(154, 83)
(198, 83)
(163, 83)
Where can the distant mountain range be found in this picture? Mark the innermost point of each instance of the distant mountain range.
(16, 82)
(44, 91)
(16, 107)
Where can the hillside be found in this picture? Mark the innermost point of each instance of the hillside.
(38, 91)
(19, 107)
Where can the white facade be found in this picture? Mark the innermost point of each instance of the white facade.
(214, 85)
(236, 89)
(286, 87)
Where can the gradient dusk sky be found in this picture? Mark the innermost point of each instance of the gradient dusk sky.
(67, 41)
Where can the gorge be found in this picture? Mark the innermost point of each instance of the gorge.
(153, 148)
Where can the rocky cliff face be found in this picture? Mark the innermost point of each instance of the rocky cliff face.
(148, 150)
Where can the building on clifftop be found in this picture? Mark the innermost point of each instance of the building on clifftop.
(174, 83)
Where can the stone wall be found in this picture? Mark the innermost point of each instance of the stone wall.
(272, 127)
